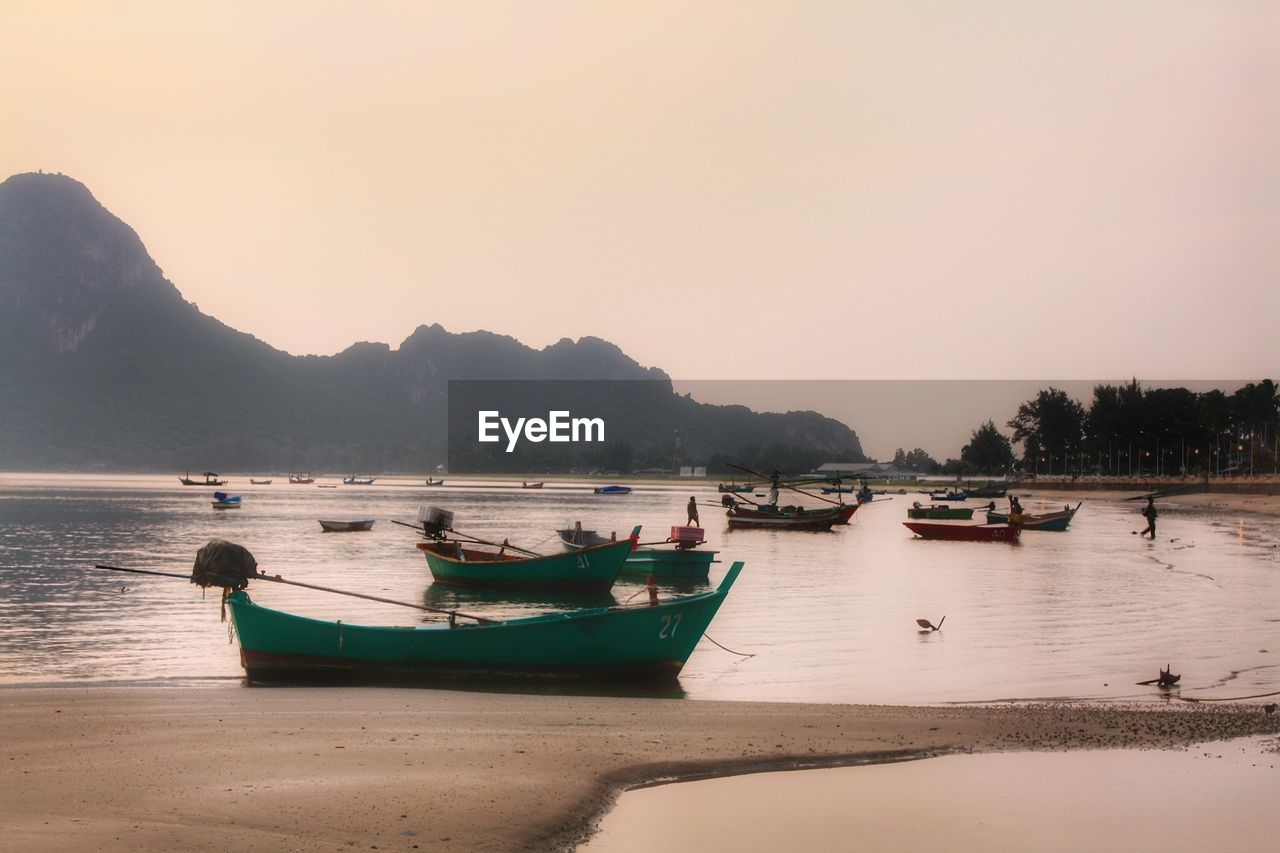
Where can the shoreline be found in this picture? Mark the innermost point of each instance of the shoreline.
(310, 768)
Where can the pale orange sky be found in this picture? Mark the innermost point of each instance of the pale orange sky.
(724, 189)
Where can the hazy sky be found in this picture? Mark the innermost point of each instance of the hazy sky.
(725, 189)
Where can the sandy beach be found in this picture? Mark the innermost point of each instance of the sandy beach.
(313, 769)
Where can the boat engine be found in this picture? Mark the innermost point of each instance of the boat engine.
(435, 521)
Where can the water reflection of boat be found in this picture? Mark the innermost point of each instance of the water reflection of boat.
(645, 641)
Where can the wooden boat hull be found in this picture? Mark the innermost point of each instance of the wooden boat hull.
(592, 569)
(940, 513)
(802, 519)
(963, 532)
(187, 481)
(1055, 522)
(599, 644)
(349, 481)
(734, 490)
(253, 482)
(531, 485)
(669, 564)
(235, 504)
(301, 481)
(346, 526)
(953, 496)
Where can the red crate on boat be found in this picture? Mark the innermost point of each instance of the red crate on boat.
(687, 535)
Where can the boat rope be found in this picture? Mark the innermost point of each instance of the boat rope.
(1230, 698)
(707, 636)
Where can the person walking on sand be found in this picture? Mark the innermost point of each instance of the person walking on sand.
(1149, 513)
(693, 512)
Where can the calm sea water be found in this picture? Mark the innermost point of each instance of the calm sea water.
(825, 617)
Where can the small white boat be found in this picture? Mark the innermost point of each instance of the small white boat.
(346, 526)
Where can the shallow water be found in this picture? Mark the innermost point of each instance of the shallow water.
(826, 617)
(1216, 797)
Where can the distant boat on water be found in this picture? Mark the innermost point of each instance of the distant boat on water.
(301, 479)
(210, 479)
(612, 490)
(259, 482)
(433, 482)
(346, 526)
(222, 500)
(353, 480)
(531, 485)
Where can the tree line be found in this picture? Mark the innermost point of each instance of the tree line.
(1126, 430)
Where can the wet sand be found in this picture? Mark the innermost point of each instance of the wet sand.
(314, 769)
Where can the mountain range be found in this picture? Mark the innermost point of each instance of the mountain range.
(104, 365)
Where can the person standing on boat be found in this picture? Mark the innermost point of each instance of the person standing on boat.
(1015, 510)
(773, 488)
(1149, 513)
(693, 512)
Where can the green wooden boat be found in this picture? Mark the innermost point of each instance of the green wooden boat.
(662, 563)
(939, 512)
(644, 641)
(669, 564)
(592, 569)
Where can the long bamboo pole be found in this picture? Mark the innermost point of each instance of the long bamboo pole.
(452, 614)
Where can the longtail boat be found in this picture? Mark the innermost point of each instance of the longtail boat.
(353, 480)
(939, 513)
(948, 496)
(301, 479)
(346, 526)
(964, 532)
(645, 641)
(590, 569)
(210, 479)
(677, 559)
(254, 482)
(790, 517)
(1051, 521)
